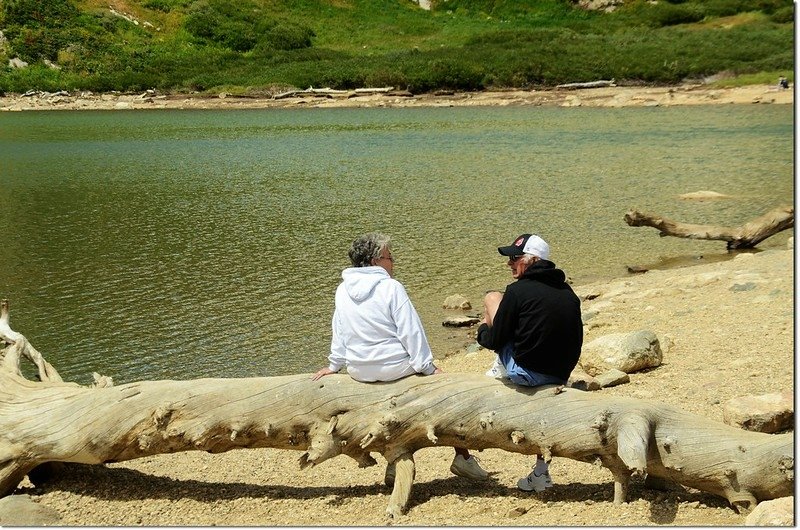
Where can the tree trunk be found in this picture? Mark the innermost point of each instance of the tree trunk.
(746, 236)
(54, 421)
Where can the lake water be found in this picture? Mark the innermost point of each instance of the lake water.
(184, 244)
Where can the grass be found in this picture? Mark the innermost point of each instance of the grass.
(220, 45)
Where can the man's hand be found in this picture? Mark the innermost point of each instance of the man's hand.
(322, 373)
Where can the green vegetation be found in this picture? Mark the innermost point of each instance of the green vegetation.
(208, 45)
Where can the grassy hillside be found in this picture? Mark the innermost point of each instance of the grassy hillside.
(260, 45)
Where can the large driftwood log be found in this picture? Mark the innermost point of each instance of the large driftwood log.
(53, 421)
(745, 236)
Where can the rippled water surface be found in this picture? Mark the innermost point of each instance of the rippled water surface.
(184, 244)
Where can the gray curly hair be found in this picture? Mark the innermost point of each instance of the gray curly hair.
(367, 248)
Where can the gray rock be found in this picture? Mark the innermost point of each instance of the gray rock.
(613, 377)
(460, 321)
(582, 381)
(765, 413)
(21, 510)
(474, 348)
(16, 62)
(457, 301)
(586, 316)
(627, 352)
(777, 512)
(741, 287)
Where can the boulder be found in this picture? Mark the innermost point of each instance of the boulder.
(765, 413)
(627, 352)
(21, 510)
(457, 301)
(16, 62)
(460, 321)
(582, 381)
(777, 512)
(703, 195)
(613, 377)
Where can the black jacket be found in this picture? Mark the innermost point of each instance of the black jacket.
(541, 314)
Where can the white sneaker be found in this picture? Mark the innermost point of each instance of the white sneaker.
(467, 468)
(534, 482)
(498, 371)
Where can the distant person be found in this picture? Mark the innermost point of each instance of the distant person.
(783, 82)
(535, 328)
(377, 333)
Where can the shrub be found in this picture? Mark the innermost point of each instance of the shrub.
(784, 15)
(38, 13)
(242, 27)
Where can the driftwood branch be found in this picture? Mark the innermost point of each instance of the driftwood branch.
(589, 84)
(331, 93)
(53, 421)
(745, 236)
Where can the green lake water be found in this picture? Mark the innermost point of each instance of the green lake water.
(185, 244)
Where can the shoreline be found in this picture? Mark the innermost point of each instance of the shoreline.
(719, 325)
(606, 96)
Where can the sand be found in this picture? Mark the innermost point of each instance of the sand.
(639, 96)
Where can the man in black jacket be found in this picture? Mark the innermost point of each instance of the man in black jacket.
(535, 328)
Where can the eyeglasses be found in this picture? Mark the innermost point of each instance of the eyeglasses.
(390, 258)
(514, 259)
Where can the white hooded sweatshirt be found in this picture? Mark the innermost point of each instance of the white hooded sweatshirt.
(377, 333)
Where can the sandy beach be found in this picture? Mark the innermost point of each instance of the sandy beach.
(614, 96)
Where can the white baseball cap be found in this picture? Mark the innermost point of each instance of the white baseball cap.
(527, 244)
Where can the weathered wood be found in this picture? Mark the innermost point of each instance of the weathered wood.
(53, 421)
(330, 92)
(745, 236)
(589, 84)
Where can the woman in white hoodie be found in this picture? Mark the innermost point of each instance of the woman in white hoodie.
(376, 332)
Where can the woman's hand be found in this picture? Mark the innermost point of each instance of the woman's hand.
(438, 370)
(322, 373)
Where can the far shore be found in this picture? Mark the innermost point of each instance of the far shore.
(606, 96)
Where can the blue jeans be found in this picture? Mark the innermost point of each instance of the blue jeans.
(522, 376)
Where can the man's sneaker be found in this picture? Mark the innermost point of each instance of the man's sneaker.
(534, 482)
(467, 468)
(498, 371)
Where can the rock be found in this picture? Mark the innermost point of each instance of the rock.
(517, 512)
(777, 512)
(20, 510)
(474, 348)
(613, 377)
(459, 321)
(582, 381)
(586, 316)
(704, 195)
(16, 62)
(765, 413)
(457, 301)
(790, 243)
(627, 352)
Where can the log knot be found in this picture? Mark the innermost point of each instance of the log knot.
(431, 434)
(601, 421)
(487, 420)
(786, 466)
(161, 417)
